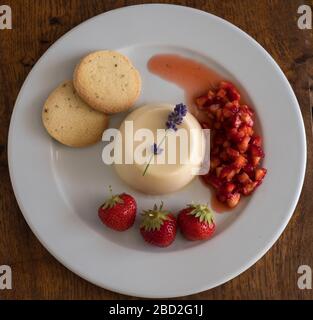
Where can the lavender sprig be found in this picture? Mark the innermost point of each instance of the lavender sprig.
(155, 149)
(174, 119)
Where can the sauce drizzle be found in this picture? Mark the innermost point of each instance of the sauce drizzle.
(193, 77)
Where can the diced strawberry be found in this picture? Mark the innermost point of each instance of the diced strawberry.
(232, 152)
(211, 116)
(227, 173)
(217, 125)
(215, 151)
(215, 161)
(250, 131)
(200, 101)
(227, 113)
(213, 108)
(260, 174)
(233, 200)
(224, 155)
(244, 178)
(246, 118)
(218, 138)
(234, 106)
(218, 171)
(231, 107)
(235, 121)
(257, 141)
(232, 92)
(245, 130)
(221, 95)
(249, 169)
(235, 135)
(256, 151)
(219, 114)
(226, 144)
(249, 188)
(247, 109)
(255, 161)
(206, 100)
(240, 161)
(210, 95)
(227, 187)
(244, 144)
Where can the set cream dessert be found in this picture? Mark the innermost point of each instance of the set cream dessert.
(163, 175)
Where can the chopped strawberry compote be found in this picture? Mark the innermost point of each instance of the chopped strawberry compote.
(236, 151)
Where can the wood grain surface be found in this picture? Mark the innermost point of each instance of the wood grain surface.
(37, 25)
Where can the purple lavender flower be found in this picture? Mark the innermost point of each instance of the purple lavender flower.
(176, 117)
(155, 149)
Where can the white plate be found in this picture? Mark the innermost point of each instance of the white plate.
(59, 189)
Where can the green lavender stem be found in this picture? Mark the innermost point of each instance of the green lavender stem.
(151, 157)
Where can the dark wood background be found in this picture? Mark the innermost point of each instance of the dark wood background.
(38, 24)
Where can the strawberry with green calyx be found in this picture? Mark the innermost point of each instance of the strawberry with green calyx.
(158, 226)
(196, 222)
(118, 212)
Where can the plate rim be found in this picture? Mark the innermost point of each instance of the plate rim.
(252, 260)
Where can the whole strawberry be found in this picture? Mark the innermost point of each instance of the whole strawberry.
(196, 222)
(118, 212)
(158, 226)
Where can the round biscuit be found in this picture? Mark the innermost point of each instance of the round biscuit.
(107, 81)
(69, 120)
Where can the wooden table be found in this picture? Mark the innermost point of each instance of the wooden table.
(38, 24)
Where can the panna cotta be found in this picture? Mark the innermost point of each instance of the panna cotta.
(159, 161)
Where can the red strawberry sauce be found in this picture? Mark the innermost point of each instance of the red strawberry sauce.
(193, 77)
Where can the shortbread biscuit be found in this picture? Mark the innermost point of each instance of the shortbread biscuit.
(107, 81)
(69, 120)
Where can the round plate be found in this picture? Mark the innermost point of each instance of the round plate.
(59, 189)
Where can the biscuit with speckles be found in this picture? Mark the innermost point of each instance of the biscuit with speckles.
(69, 120)
(107, 81)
